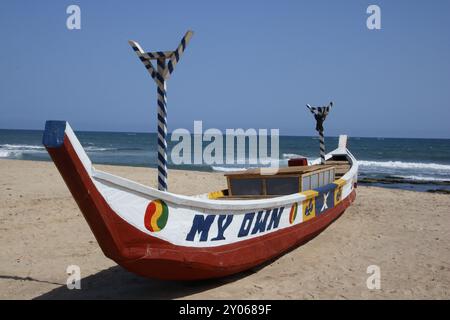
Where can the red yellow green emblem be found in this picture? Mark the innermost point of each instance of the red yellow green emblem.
(293, 213)
(156, 215)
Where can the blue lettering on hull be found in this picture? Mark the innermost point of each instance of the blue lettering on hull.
(252, 223)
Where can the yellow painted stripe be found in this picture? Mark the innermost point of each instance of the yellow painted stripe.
(340, 182)
(309, 194)
(215, 194)
(156, 216)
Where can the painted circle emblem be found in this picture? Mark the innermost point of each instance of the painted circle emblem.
(293, 213)
(156, 215)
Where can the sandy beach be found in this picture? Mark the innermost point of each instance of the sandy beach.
(405, 233)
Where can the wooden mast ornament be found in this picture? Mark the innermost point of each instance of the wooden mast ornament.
(166, 62)
(320, 113)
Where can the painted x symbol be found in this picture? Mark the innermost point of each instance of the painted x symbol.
(325, 197)
(309, 208)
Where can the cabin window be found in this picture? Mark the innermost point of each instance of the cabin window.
(306, 185)
(314, 181)
(256, 185)
(326, 177)
(244, 187)
(280, 186)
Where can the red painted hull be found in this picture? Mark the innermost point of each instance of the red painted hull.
(151, 257)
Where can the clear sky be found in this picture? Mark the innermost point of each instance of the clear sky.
(250, 64)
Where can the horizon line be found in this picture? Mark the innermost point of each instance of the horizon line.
(287, 135)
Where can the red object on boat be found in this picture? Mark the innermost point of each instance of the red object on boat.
(297, 162)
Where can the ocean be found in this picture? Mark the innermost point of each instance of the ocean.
(416, 164)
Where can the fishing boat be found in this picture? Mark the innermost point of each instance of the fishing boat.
(155, 233)
(169, 236)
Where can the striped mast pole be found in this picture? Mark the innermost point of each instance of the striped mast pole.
(166, 62)
(320, 114)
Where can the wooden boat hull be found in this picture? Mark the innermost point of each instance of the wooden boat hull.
(163, 236)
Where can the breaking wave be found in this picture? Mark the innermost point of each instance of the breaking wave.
(4, 154)
(292, 155)
(14, 151)
(20, 147)
(420, 178)
(404, 165)
(96, 149)
(227, 169)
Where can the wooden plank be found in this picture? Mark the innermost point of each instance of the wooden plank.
(342, 169)
(229, 186)
(244, 197)
(281, 171)
(337, 162)
(264, 187)
(322, 169)
(257, 176)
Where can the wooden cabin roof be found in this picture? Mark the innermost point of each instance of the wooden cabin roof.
(281, 171)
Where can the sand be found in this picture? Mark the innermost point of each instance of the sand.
(405, 233)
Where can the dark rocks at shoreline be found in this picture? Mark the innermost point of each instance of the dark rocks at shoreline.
(439, 191)
(392, 180)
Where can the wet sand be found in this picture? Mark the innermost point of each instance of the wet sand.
(42, 231)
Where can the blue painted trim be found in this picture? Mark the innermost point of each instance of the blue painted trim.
(323, 191)
(326, 188)
(54, 133)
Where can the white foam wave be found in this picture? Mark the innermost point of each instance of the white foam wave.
(404, 165)
(99, 149)
(15, 151)
(4, 154)
(420, 178)
(24, 147)
(227, 169)
(292, 155)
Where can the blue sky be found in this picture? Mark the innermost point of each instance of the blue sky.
(250, 64)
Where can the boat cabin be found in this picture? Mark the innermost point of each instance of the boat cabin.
(253, 183)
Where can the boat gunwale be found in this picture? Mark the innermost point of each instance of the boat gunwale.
(196, 202)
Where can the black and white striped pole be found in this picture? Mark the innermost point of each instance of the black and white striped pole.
(320, 113)
(166, 62)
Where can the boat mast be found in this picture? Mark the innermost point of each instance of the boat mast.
(166, 62)
(320, 113)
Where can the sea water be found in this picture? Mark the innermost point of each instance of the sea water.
(420, 164)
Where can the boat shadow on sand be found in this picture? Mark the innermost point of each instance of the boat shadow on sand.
(117, 283)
